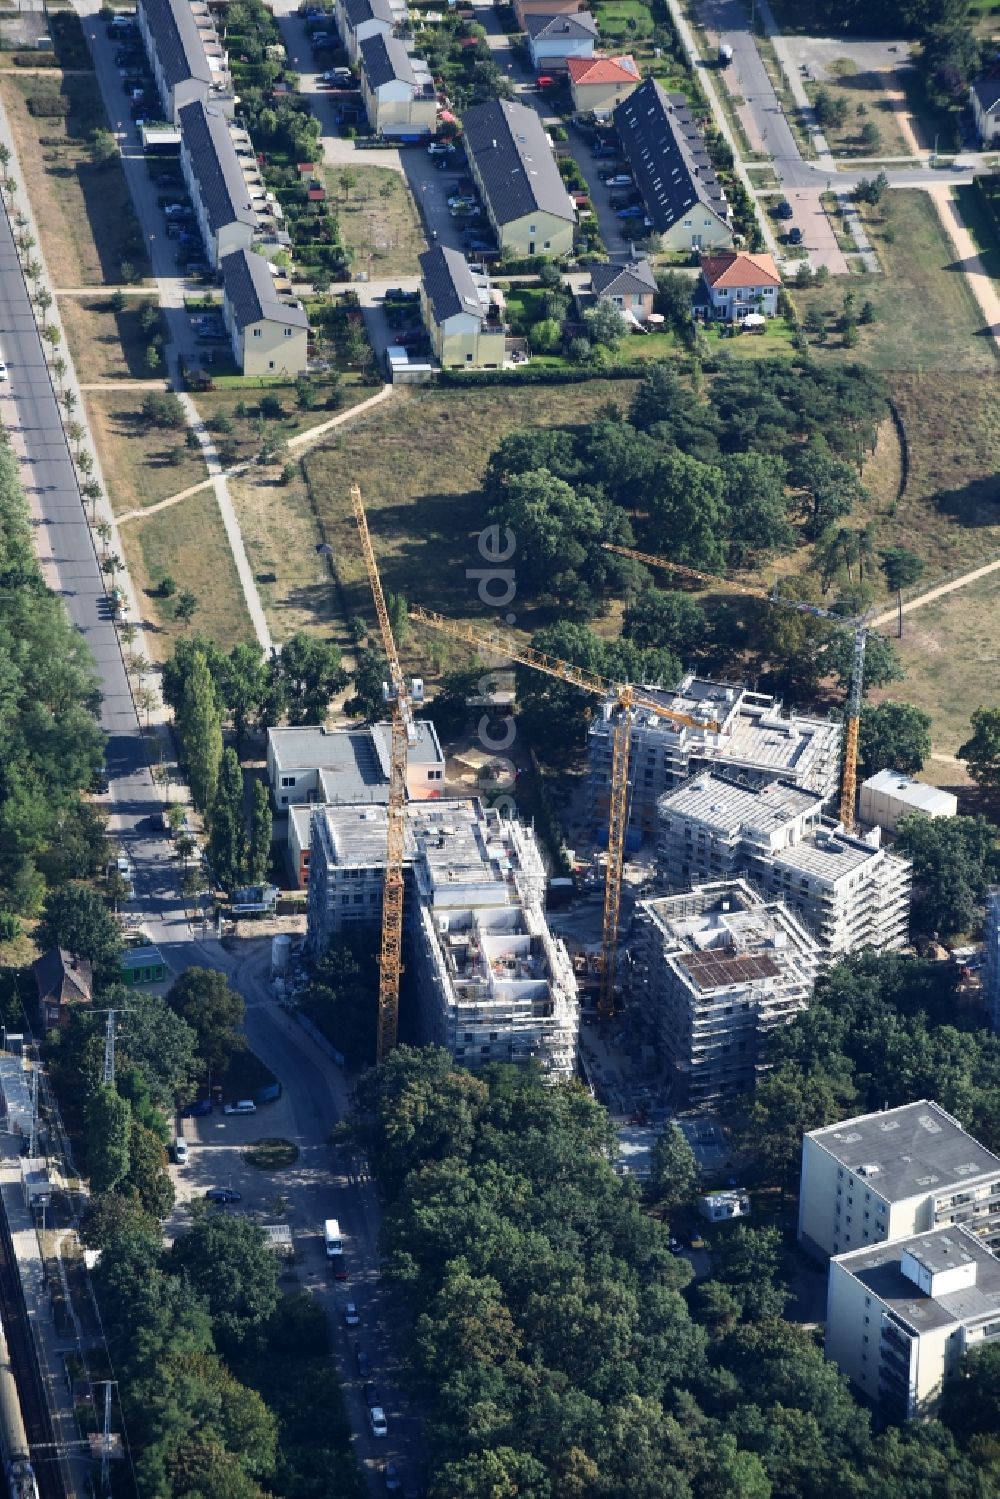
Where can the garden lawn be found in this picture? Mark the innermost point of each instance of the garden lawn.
(377, 218)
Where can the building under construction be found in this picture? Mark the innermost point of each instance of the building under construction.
(720, 967)
(490, 982)
(753, 739)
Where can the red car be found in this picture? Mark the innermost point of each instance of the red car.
(545, 80)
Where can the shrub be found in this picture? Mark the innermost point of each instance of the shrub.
(48, 105)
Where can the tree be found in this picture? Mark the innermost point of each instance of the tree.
(154, 1039)
(657, 619)
(200, 728)
(259, 857)
(147, 1174)
(214, 1012)
(971, 1407)
(186, 606)
(785, 1106)
(559, 531)
(113, 1216)
(605, 324)
(902, 568)
(955, 859)
(882, 660)
(981, 751)
(832, 487)
(226, 1261)
(893, 736)
(673, 1168)
(227, 847)
(746, 1261)
(758, 506)
(312, 673)
(109, 1130)
(371, 671)
(76, 918)
(689, 516)
(252, 690)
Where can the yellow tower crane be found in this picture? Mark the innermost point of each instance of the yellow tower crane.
(629, 702)
(403, 734)
(852, 717)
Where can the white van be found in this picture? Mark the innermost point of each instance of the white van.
(181, 1151)
(331, 1235)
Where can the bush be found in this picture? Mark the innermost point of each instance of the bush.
(10, 926)
(167, 587)
(48, 105)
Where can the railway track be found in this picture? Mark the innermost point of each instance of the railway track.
(27, 1374)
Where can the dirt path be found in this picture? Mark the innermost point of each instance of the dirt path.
(891, 615)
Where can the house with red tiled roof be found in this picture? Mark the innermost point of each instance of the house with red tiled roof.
(63, 980)
(735, 283)
(599, 83)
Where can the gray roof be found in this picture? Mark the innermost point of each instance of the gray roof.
(216, 166)
(449, 283)
(353, 752)
(551, 27)
(356, 12)
(987, 89)
(908, 1152)
(178, 42)
(633, 279)
(384, 59)
(515, 162)
(249, 290)
(62, 977)
(879, 1270)
(728, 808)
(667, 155)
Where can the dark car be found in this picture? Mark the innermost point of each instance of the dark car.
(364, 1367)
(338, 1267)
(795, 236)
(371, 1394)
(784, 210)
(198, 1109)
(223, 1194)
(390, 1477)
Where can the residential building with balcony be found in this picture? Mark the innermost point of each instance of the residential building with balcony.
(745, 732)
(685, 203)
(735, 284)
(462, 313)
(269, 333)
(720, 968)
(357, 20)
(902, 1316)
(214, 176)
(397, 89)
(882, 1177)
(597, 84)
(186, 58)
(488, 980)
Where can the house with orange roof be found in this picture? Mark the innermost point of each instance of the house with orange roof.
(599, 83)
(734, 284)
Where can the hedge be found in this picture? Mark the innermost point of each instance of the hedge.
(533, 374)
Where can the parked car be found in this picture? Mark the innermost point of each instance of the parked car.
(364, 1366)
(181, 1151)
(784, 210)
(338, 1267)
(379, 1425)
(391, 1479)
(634, 211)
(352, 1317)
(198, 1109)
(371, 1394)
(795, 236)
(545, 80)
(440, 148)
(242, 1106)
(223, 1195)
(619, 179)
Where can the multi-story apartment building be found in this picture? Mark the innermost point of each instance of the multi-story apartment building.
(746, 731)
(850, 892)
(186, 58)
(215, 179)
(883, 1177)
(901, 1316)
(721, 967)
(489, 981)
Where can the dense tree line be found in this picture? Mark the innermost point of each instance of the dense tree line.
(561, 1350)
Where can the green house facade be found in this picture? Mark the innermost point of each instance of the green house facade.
(142, 965)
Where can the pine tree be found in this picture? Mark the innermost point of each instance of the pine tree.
(200, 726)
(259, 861)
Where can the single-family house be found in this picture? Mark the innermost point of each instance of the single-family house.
(456, 306)
(269, 333)
(597, 84)
(631, 287)
(512, 164)
(215, 180)
(186, 59)
(357, 20)
(525, 8)
(397, 89)
(62, 980)
(554, 39)
(685, 203)
(985, 97)
(735, 284)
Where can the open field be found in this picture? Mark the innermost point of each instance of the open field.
(419, 462)
(377, 218)
(137, 458)
(104, 344)
(239, 408)
(925, 315)
(280, 535)
(187, 543)
(865, 92)
(83, 211)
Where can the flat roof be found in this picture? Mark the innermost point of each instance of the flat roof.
(908, 1152)
(825, 855)
(879, 1270)
(904, 788)
(338, 750)
(720, 804)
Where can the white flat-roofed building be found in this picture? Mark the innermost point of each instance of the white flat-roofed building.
(889, 796)
(313, 764)
(754, 739)
(491, 982)
(723, 1207)
(901, 1317)
(882, 1177)
(722, 967)
(849, 892)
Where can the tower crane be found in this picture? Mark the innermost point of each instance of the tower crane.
(404, 734)
(859, 625)
(629, 702)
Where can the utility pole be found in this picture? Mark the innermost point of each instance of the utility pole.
(109, 1042)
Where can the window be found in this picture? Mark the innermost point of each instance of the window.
(865, 1336)
(532, 228)
(687, 223)
(270, 364)
(868, 1302)
(288, 780)
(258, 333)
(289, 332)
(284, 801)
(345, 900)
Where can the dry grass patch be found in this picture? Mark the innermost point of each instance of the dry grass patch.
(83, 211)
(188, 544)
(378, 220)
(104, 344)
(280, 535)
(239, 408)
(137, 458)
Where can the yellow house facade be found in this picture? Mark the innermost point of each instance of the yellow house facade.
(597, 84)
(269, 335)
(516, 174)
(397, 89)
(455, 307)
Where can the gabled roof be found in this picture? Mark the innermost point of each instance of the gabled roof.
(384, 59)
(634, 279)
(987, 89)
(177, 40)
(602, 69)
(667, 155)
(63, 978)
(736, 268)
(449, 283)
(216, 166)
(356, 12)
(249, 290)
(549, 26)
(515, 162)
